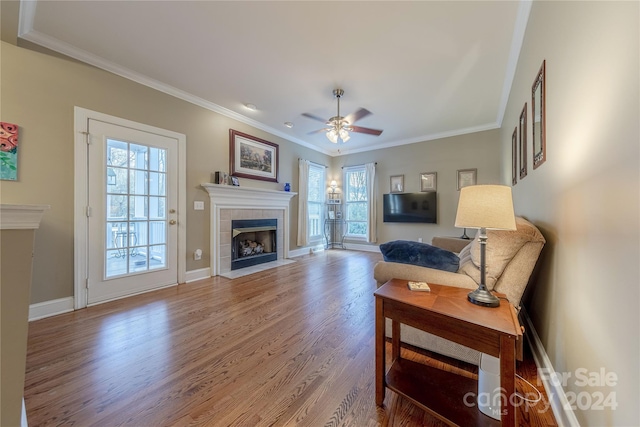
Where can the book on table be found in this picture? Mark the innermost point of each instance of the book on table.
(419, 286)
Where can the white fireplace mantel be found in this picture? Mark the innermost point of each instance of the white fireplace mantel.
(232, 197)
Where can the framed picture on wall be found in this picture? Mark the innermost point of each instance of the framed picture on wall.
(397, 184)
(467, 177)
(523, 141)
(514, 156)
(428, 181)
(252, 157)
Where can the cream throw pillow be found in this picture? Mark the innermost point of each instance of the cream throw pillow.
(502, 246)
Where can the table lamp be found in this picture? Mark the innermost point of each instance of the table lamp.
(485, 207)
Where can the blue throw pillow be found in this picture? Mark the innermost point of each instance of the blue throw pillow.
(422, 254)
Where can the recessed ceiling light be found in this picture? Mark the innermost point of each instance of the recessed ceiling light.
(251, 107)
(288, 124)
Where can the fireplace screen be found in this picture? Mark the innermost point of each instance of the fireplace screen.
(253, 242)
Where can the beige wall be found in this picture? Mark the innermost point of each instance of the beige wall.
(585, 197)
(443, 156)
(39, 92)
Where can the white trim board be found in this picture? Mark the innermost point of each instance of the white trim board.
(560, 406)
(54, 307)
(195, 275)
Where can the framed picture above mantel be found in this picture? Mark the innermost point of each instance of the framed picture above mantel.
(252, 157)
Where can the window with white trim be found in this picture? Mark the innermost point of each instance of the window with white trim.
(315, 202)
(355, 202)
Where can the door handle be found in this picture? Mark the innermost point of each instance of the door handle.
(172, 222)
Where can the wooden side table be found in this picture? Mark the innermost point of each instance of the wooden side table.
(446, 312)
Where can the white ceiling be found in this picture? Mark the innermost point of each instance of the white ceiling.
(425, 69)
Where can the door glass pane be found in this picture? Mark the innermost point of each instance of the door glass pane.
(157, 256)
(138, 182)
(138, 261)
(138, 207)
(117, 153)
(157, 207)
(116, 206)
(138, 156)
(138, 233)
(116, 180)
(157, 159)
(157, 232)
(116, 265)
(157, 185)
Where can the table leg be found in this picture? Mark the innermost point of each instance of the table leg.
(507, 379)
(380, 352)
(395, 340)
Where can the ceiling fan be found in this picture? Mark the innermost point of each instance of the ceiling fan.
(339, 126)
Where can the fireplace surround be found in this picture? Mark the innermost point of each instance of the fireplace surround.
(228, 203)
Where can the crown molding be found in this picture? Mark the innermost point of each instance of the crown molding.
(519, 30)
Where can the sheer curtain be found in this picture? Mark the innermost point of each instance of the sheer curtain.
(370, 172)
(303, 198)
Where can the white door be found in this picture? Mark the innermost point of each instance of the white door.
(132, 194)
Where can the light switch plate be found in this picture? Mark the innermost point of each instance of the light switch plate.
(198, 205)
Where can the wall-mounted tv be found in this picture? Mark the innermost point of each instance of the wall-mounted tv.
(410, 207)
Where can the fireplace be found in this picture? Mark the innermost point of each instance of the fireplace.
(254, 241)
(229, 202)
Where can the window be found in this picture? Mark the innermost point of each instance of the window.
(355, 199)
(315, 201)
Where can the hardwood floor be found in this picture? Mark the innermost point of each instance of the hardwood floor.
(289, 346)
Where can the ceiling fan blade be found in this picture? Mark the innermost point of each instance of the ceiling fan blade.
(354, 117)
(311, 116)
(316, 131)
(369, 131)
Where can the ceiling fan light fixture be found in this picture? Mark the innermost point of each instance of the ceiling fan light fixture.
(332, 136)
(338, 127)
(344, 135)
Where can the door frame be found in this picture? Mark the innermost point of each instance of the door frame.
(81, 199)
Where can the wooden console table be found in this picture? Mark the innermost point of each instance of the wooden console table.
(446, 312)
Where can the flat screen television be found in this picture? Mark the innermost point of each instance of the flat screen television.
(410, 207)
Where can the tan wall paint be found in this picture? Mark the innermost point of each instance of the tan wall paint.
(39, 92)
(16, 249)
(585, 198)
(443, 156)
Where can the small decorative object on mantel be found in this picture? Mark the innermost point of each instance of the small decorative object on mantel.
(221, 178)
(253, 158)
(397, 184)
(287, 186)
(428, 181)
(8, 151)
(235, 181)
(538, 99)
(467, 177)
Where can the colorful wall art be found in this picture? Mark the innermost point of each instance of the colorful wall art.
(8, 151)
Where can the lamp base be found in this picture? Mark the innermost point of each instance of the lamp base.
(483, 297)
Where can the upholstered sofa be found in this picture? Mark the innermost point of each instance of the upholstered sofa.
(510, 259)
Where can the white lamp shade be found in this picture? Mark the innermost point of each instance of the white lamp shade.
(486, 206)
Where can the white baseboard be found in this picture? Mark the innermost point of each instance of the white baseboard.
(54, 307)
(560, 406)
(194, 275)
(306, 251)
(361, 247)
(23, 417)
(299, 252)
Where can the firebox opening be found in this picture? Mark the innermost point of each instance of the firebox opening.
(253, 242)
